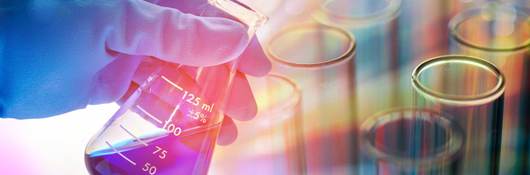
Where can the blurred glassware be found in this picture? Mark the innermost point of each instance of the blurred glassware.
(374, 25)
(320, 59)
(410, 141)
(471, 91)
(272, 143)
(500, 33)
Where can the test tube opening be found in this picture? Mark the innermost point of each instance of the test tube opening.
(458, 80)
(272, 142)
(412, 138)
(276, 94)
(312, 46)
(508, 27)
(351, 13)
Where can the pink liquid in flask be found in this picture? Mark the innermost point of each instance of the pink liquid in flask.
(166, 155)
(168, 126)
(171, 123)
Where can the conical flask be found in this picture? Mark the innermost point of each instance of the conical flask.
(169, 125)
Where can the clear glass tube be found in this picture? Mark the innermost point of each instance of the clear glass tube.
(471, 91)
(272, 143)
(357, 12)
(423, 27)
(169, 125)
(500, 33)
(374, 25)
(319, 59)
(410, 141)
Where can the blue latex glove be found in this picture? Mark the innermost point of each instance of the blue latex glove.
(57, 56)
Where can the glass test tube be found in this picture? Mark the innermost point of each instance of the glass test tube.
(410, 141)
(374, 25)
(423, 26)
(471, 91)
(271, 143)
(319, 59)
(500, 33)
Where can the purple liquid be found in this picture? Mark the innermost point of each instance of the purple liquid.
(189, 153)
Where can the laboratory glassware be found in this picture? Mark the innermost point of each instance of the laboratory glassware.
(374, 25)
(169, 125)
(471, 91)
(410, 141)
(319, 59)
(500, 33)
(271, 143)
(423, 31)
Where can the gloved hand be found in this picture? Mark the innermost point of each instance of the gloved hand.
(60, 56)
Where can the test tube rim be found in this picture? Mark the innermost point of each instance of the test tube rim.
(348, 54)
(461, 17)
(454, 144)
(464, 100)
(329, 17)
(296, 96)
